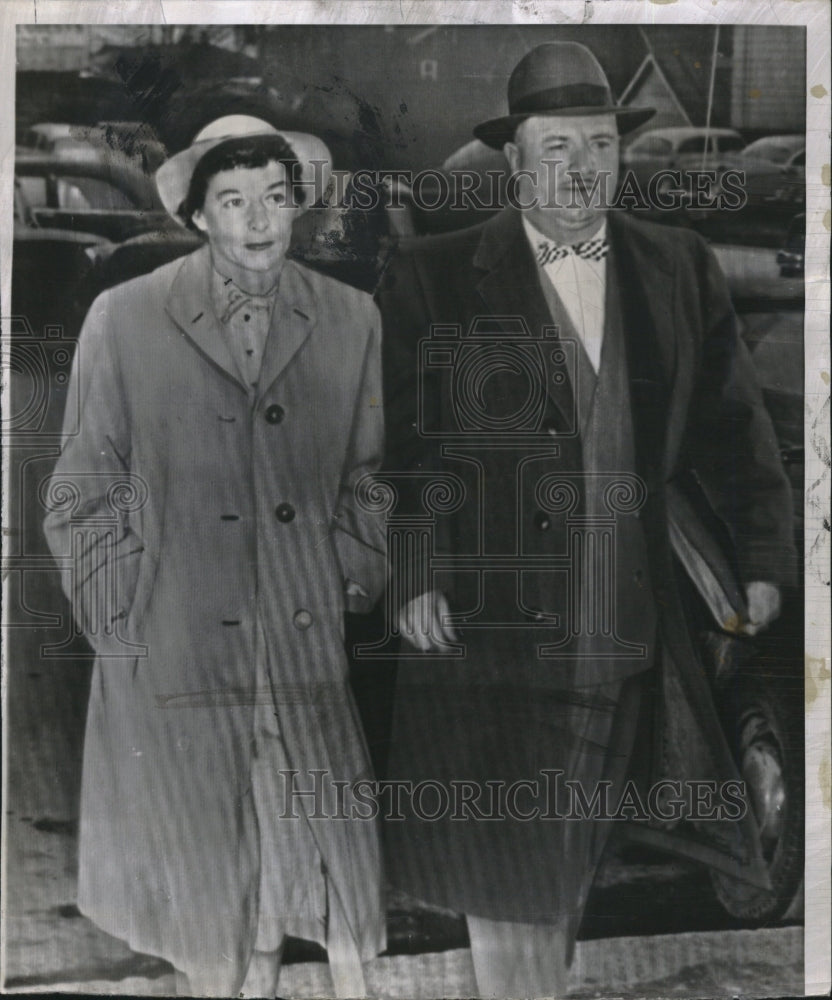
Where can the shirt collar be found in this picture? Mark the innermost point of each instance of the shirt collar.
(228, 297)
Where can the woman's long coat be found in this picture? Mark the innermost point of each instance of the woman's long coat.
(181, 510)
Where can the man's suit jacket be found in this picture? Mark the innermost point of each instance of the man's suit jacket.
(697, 412)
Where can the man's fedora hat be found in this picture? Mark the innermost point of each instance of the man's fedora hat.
(173, 178)
(557, 78)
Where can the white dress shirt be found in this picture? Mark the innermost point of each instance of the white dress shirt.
(581, 286)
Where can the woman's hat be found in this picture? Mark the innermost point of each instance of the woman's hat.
(558, 78)
(173, 178)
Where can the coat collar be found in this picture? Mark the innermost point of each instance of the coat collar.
(189, 305)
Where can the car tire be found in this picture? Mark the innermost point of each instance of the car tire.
(766, 735)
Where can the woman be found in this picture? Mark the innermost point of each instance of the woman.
(230, 404)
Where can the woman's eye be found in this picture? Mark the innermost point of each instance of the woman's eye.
(232, 203)
(277, 199)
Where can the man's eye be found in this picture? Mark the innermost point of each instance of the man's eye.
(232, 203)
(277, 198)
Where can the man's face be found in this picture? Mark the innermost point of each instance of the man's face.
(247, 217)
(584, 147)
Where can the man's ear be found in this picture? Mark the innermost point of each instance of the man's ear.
(198, 220)
(512, 153)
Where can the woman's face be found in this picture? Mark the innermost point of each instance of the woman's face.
(247, 216)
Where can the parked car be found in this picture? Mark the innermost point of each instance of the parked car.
(135, 140)
(791, 256)
(684, 149)
(44, 135)
(84, 189)
(774, 168)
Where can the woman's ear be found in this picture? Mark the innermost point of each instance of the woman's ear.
(198, 219)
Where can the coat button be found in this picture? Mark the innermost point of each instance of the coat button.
(284, 512)
(302, 619)
(542, 521)
(274, 414)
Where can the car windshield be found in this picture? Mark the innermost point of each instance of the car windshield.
(91, 193)
(72, 192)
(696, 144)
(653, 145)
(730, 143)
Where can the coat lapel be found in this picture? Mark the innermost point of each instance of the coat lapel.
(292, 321)
(189, 305)
(510, 287)
(644, 284)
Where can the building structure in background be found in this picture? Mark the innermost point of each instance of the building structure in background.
(392, 109)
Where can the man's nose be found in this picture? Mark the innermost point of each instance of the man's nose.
(582, 160)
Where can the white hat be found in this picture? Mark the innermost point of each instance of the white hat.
(173, 178)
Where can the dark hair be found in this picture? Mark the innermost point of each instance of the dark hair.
(246, 151)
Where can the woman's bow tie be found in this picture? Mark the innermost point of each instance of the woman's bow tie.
(236, 298)
(549, 251)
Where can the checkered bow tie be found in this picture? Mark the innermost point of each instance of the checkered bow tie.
(549, 251)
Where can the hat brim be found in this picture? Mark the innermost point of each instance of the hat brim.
(498, 131)
(173, 178)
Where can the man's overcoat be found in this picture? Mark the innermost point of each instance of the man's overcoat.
(183, 511)
(696, 409)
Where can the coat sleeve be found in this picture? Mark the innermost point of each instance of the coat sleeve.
(92, 492)
(731, 443)
(360, 530)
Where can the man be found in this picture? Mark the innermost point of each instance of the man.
(560, 370)
(229, 404)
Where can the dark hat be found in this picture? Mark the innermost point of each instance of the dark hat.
(557, 78)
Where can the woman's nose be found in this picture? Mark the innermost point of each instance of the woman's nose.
(257, 217)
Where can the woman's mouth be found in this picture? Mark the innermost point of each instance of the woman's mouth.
(264, 245)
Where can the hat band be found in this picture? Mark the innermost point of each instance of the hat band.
(572, 95)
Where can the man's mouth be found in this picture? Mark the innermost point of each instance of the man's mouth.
(260, 246)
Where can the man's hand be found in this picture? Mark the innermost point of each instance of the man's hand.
(420, 621)
(763, 606)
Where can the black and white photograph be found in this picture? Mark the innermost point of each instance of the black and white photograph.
(416, 473)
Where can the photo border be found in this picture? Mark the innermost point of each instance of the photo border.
(815, 15)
